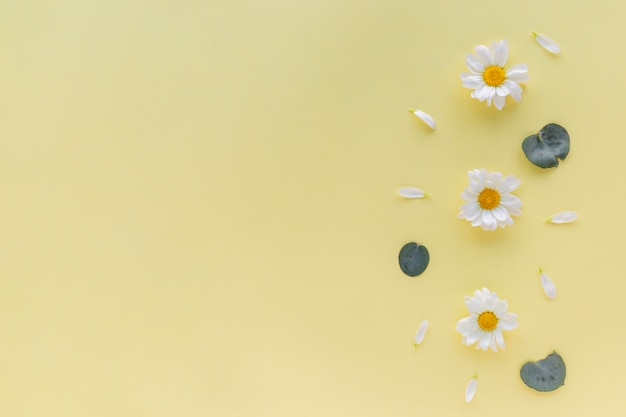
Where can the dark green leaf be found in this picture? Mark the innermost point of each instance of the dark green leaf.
(544, 375)
(413, 259)
(545, 148)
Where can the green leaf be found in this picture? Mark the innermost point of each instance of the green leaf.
(545, 148)
(544, 375)
(413, 259)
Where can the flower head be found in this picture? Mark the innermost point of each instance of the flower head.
(487, 319)
(489, 202)
(488, 78)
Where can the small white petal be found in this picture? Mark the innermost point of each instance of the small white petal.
(563, 217)
(411, 192)
(470, 389)
(421, 332)
(424, 117)
(547, 43)
(548, 286)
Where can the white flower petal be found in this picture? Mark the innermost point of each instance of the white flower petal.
(547, 43)
(548, 286)
(563, 217)
(411, 192)
(499, 102)
(425, 117)
(472, 80)
(501, 53)
(421, 332)
(508, 321)
(513, 87)
(518, 73)
(483, 54)
(470, 389)
(474, 64)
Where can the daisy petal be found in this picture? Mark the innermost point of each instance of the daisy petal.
(501, 53)
(425, 117)
(470, 389)
(499, 102)
(483, 55)
(411, 192)
(474, 64)
(563, 217)
(548, 285)
(518, 73)
(547, 43)
(513, 87)
(421, 332)
(472, 80)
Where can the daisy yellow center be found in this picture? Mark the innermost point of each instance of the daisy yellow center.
(494, 75)
(489, 199)
(487, 321)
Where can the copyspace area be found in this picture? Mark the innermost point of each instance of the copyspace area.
(200, 213)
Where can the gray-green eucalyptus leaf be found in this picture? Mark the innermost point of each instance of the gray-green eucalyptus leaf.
(546, 147)
(413, 259)
(544, 375)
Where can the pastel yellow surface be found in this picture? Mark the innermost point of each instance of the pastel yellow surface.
(200, 213)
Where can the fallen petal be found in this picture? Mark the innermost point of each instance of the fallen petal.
(421, 332)
(563, 217)
(547, 43)
(411, 192)
(470, 389)
(548, 286)
(426, 118)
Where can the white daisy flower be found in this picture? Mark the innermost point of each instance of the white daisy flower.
(488, 78)
(490, 203)
(488, 317)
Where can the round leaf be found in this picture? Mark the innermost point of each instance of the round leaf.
(413, 259)
(545, 148)
(544, 375)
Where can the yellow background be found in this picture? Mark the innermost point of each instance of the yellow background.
(200, 213)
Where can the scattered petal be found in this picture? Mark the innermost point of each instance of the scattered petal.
(470, 389)
(421, 332)
(412, 192)
(548, 286)
(563, 217)
(547, 43)
(425, 117)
